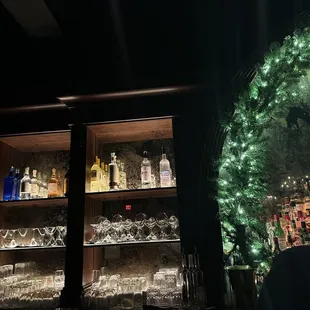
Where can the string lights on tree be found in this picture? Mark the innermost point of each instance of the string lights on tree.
(242, 184)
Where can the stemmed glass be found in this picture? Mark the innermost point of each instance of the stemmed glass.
(4, 234)
(11, 238)
(97, 229)
(59, 236)
(150, 223)
(128, 225)
(140, 221)
(106, 225)
(49, 236)
(22, 233)
(117, 225)
(161, 220)
(174, 223)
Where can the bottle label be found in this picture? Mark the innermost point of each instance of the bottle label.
(26, 187)
(34, 189)
(114, 175)
(282, 243)
(165, 178)
(52, 188)
(93, 175)
(146, 174)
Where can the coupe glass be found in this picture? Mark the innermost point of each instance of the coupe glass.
(174, 223)
(150, 223)
(162, 220)
(128, 225)
(117, 225)
(140, 221)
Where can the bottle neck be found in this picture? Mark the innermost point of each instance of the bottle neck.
(190, 261)
(163, 156)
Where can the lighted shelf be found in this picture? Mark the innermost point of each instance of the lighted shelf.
(32, 248)
(44, 202)
(131, 243)
(134, 194)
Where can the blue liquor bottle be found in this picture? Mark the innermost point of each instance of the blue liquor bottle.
(8, 185)
(16, 186)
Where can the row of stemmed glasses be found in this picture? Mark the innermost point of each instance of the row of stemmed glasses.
(45, 236)
(120, 229)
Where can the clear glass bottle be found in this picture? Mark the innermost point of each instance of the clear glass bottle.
(95, 177)
(25, 185)
(8, 185)
(164, 170)
(192, 284)
(114, 174)
(107, 176)
(44, 189)
(103, 178)
(200, 294)
(16, 186)
(52, 186)
(39, 182)
(146, 172)
(34, 185)
(122, 176)
(186, 280)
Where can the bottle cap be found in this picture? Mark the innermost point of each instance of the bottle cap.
(145, 154)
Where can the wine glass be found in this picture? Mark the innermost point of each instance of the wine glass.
(59, 236)
(22, 234)
(49, 239)
(174, 223)
(150, 223)
(4, 234)
(117, 225)
(140, 221)
(128, 225)
(161, 220)
(97, 226)
(11, 238)
(106, 226)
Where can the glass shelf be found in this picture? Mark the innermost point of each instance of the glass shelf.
(134, 194)
(44, 202)
(131, 243)
(34, 248)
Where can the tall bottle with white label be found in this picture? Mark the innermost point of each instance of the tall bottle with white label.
(25, 185)
(95, 177)
(114, 174)
(164, 170)
(146, 171)
(34, 185)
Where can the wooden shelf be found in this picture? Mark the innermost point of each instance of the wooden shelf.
(134, 194)
(44, 142)
(89, 245)
(33, 203)
(141, 130)
(33, 248)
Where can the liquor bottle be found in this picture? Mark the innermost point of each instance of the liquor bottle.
(279, 233)
(66, 183)
(199, 283)
(106, 173)
(289, 240)
(295, 234)
(44, 192)
(59, 185)
(305, 234)
(113, 173)
(8, 185)
(164, 170)
(95, 177)
(122, 177)
(192, 283)
(146, 172)
(16, 186)
(39, 182)
(34, 185)
(186, 280)
(103, 178)
(25, 185)
(52, 186)
(299, 219)
(276, 250)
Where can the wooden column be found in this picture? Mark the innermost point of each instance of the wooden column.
(71, 296)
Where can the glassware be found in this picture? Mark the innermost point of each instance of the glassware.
(159, 280)
(11, 238)
(164, 170)
(146, 171)
(122, 177)
(174, 223)
(52, 186)
(22, 234)
(16, 186)
(140, 221)
(60, 233)
(161, 220)
(4, 234)
(95, 177)
(106, 226)
(117, 225)
(97, 227)
(150, 223)
(34, 185)
(8, 184)
(59, 279)
(113, 173)
(19, 269)
(128, 225)
(40, 185)
(25, 185)
(49, 239)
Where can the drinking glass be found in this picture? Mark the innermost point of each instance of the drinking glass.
(19, 269)
(128, 225)
(59, 240)
(10, 238)
(106, 226)
(161, 220)
(49, 239)
(59, 279)
(4, 234)
(97, 227)
(140, 221)
(22, 234)
(153, 297)
(117, 225)
(174, 223)
(150, 223)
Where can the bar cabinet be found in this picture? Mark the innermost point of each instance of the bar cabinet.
(111, 245)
